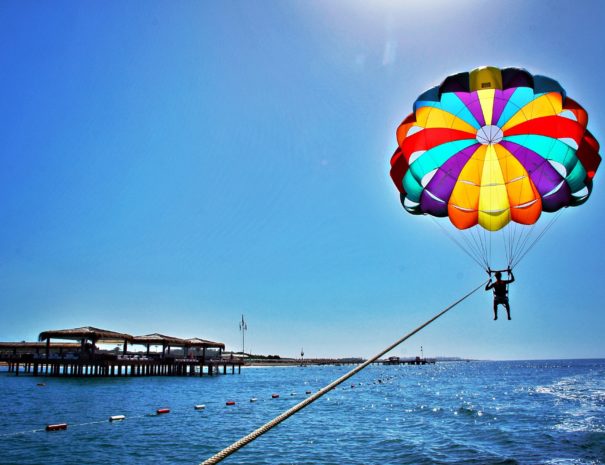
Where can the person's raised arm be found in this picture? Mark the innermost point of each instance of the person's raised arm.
(511, 275)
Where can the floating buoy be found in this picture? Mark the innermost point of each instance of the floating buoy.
(253, 399)
(56, 427)
(161, 411)
(117, 418)
(275, 396)
(199, 407)
(308, 392)
(230, 402)
(292, 393)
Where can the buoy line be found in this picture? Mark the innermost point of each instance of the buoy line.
(52, 427)
(18, 433)
(61, 426)
(220, 456)
(214, 404)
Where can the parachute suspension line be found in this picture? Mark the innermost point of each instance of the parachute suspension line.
(291, 411)
(475, 235)
(488, 238)
(517, 232)
(540, 236)
(479, 238)
(518, 236)
(473, 242)
(478, 235)
(486, 244)
(520, 244)
(469, 250)
(506, 240)
(521, 241)
(523, 236)
(510, 241)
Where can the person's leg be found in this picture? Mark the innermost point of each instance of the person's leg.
(507, 307)
(495, 310)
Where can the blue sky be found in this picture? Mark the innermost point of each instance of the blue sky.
(167, 168)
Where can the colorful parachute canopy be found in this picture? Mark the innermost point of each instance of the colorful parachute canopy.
(492, 146)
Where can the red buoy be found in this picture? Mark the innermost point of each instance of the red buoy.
(56, 427)
(160, 411)
(230, 402)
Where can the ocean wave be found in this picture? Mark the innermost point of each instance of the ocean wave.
(583, 399)
(590, 424)
(585, 390)
(567, 461)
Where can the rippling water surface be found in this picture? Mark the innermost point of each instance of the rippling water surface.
(531, 412)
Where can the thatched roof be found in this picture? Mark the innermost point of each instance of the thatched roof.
(158, 339)
(39, 345)
(111, 337)
(197, 342)
(86, 332)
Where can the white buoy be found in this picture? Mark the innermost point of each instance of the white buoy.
(117, 417)
(56, 427)
(253, 399)
(200, 407)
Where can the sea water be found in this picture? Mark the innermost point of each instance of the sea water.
(525, 412)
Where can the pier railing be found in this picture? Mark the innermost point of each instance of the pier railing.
(108, 365)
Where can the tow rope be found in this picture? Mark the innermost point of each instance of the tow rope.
(291, 411)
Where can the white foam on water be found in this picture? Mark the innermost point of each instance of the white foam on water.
(583, 397)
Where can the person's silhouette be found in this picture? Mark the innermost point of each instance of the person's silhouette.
(500, 287)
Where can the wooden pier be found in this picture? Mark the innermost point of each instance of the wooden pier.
(194, 357)
(103, 366)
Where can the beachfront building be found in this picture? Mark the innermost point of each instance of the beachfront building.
(84, 357)
(88, 337)
(156, 339)
(33, 350)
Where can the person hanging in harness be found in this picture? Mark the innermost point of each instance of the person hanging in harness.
(500, 287)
